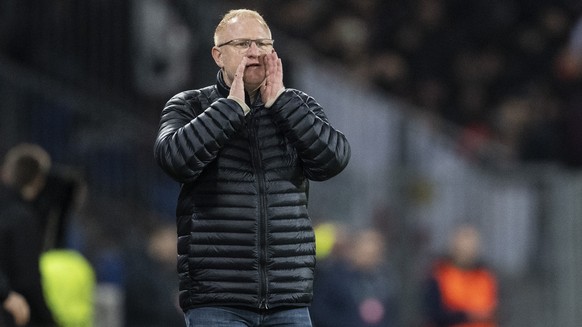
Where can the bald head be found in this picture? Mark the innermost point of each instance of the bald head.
(235, 15)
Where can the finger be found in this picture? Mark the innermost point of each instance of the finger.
(274, 58)
(240, 70)
(267, 62)
(279, 69)
(272, 65)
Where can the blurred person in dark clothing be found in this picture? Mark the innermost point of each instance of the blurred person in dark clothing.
(24, 170)
(244, 151)
(13, 303)
(332, 304)
(151, 295)
(461, 291)
(356, 287)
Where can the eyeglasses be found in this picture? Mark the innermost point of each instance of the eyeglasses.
(243, 44)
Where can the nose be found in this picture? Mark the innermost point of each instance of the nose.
(253, 49)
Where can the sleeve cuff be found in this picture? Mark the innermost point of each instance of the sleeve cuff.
(241, 103)
(270, 102)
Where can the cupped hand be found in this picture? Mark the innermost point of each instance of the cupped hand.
(273, 77)
(237, 89)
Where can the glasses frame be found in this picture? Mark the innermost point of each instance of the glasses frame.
(239, 43)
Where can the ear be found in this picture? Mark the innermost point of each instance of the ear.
(217, 56)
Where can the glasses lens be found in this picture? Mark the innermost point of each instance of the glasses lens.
(243, 44)
(264, 44)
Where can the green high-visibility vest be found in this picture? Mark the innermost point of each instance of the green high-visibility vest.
(69, 285)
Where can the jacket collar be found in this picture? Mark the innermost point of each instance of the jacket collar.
(223, 89)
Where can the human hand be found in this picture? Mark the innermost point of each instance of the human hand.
(273, 78)
(237, 89)
(17, 306)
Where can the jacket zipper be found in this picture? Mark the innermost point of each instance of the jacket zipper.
(262, 219)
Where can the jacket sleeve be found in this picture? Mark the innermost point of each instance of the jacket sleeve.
(189, 136)
(435, 310)
(323, 150)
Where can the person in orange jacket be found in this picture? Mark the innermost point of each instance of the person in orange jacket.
(462, 291)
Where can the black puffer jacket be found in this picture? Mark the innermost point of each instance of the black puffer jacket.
(244, 234)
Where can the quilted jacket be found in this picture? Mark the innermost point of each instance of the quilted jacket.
(244, 234)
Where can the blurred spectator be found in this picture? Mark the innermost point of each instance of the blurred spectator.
(345, 38)
(569, 61)
(24, 172)
(285, 14)
(354, 286)
(164, 46)
(391, 72)
(461, 290)
(151, 293)
(512, 117)
(569, 69)
(543, 136)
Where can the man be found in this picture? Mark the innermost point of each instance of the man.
(244, 150)
(22, 178)
(461, 291)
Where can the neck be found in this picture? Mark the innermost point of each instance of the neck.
(253, 94)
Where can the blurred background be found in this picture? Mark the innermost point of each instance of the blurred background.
(457, 111)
